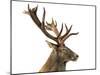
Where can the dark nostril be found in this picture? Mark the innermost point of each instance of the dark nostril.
(77, 56)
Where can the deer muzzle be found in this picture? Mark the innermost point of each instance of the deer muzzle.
(75, 57)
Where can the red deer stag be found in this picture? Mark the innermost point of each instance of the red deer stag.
(61, 54)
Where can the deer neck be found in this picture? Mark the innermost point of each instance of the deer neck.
(52, 64)
(61, 66)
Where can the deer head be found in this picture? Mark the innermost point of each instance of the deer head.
(62, 52)
(65, 54)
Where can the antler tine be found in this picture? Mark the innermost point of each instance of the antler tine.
(52, 21)
(55, 23)
(26, 12)
(66, 27)
(60, 31)
(67, 32)
(70, 35)
(43, 18)
(34, 10)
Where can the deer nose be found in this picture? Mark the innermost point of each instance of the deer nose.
(77, 56)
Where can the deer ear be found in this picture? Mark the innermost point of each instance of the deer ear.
(51, 45)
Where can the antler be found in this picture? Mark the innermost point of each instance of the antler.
(53, 27)
(32, 12)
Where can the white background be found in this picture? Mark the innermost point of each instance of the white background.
(4, 41)
(29, 49)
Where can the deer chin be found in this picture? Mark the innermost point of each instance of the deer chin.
(74, 59)
(65, 61)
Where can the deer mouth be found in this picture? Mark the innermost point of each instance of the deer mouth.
(74, 58)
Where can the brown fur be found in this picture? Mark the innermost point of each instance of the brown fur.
(58, 59)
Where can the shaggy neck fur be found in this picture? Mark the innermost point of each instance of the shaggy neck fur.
(52, 64)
